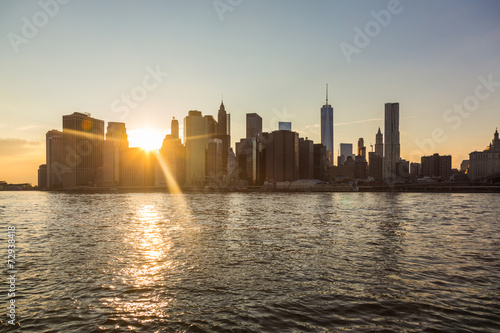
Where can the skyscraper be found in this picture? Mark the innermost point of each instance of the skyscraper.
(306, 158)
(282, 156)
(114, 146)
(327, 128)
(361, 148)
(213, 161)
(345, 152)
(436, 166)
(170, 170)
(254, 125)
(83, 139)
(223, 130)
(174, 128)
(42, 177)
(392, 148)
(250, 152)
(196, 138)
(379, 144)
(485, 164)
(54, 159)
(320, 162)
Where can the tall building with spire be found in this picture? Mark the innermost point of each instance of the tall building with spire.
(379, 143)
(327, 128)
(223, 133)
(392, 147)
(376, 158)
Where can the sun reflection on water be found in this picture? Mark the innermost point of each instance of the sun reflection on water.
(146, 264)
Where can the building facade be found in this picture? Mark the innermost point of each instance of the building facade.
(115, 144)
(362, 149)
(327, 129)
(223, 134)
(345, 152)
(306, 158)
(392, 146)
(54, 148)
(485, 165)
(436, 166)
(284, 126)
(197, 131)
(83, 139)
(379, 143)
(376, 166)
(282, 156)
(320, 163)
(254, 125)
(42, 177)
(171, 167)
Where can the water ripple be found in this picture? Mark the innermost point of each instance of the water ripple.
(257, 262)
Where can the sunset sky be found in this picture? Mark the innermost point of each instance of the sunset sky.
(439, 59)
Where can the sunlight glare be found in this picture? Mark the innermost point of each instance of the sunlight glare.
(145, 138)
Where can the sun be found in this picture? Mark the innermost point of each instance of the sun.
(145, 138)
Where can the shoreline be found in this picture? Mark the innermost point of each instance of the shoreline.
(331, 188)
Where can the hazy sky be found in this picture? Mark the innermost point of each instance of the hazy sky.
(439, 59)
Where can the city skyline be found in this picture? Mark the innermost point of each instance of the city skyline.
(83, 156)
(115, 130)
(447, 85)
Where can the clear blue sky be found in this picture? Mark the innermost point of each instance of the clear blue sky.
(269, 57)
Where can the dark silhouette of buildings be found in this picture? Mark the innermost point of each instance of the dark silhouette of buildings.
(360, 167)
(79, 157)
(42, 177)
(321, 163)
(379, 144)
(376, 159)
(403, 170)
(436, 166)
(306, 158)
(376, 166)
(282, 156)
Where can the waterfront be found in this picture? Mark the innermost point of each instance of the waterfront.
(275, 262)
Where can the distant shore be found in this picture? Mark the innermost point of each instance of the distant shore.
(414, 188)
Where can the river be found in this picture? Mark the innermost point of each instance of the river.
(253, 262)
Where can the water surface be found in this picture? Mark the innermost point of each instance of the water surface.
(262, 262)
